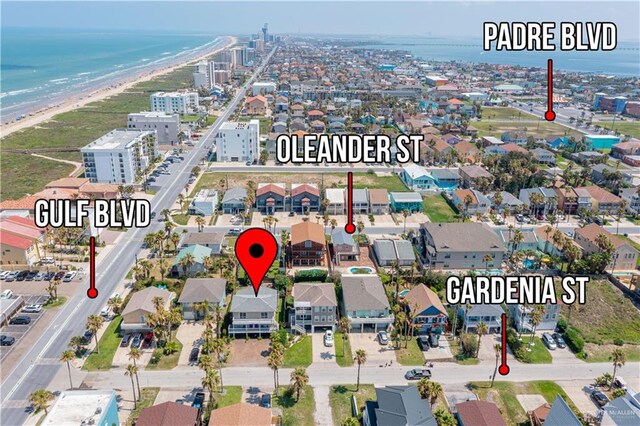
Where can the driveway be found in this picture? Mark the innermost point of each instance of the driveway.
(564, 356)
(321, 353)
(487, 352)
(248, 353)
(579, 392)
(190, 335)
(441, 353)
(376, 353)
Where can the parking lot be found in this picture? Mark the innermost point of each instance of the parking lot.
(163, 175)
(19, 331)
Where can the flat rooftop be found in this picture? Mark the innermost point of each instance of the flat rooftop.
(73, 407)
(116, 139)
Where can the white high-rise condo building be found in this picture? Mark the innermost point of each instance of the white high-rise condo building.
(166, 125)
(174, 102)
(203, 74)
(118, 156)
(238, 141)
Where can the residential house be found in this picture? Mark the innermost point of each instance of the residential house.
(623, 410)
(556, 142)
(546, 243)
(445, 179)
(505, 149)
(317, 126)
(467, 152)
(558, 414)
(529, 239)
(336, 197)
(602, 174)
(256, 105)
(521, 316)
(517, 137)
(271, 198)
(205, 203)
(398, 405)
(253, 313)
(233, 201)
(298, 125)
(548, 200)
(22, 242)
(212, 240)
(479, 204)
(567, 200)
(440, 148)
(197, 253)
(279, 127)
(378, 201)
(345, 247)
(430, 315)
(479, 413)
(307, 244)
(315, 115)
(460, 246)
(315, 306)
(623, 149)
(508, 200)
(390, 252)
(410, 201)
(602, 201)
(365, 303)
(305, 198)
(282, 104)
(82, 406)
(241, 414)
(168, 414)
(544, 156)
(360, 201)
(141, 304)
(199, 290)
(489, 314)
(632, 198)
(416, 177)
(472, 174)
(625, 256)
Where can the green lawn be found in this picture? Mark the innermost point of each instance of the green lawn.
(51, 304)
(340, 400)
(538, 128)
(74, 129)
(164, 362)
(391, 183)
(296, 413)
(148, 398)
(503, 394)
(347, 359)
(265, 123)
(232, 395)
(299, 354)
(108, 344)
(505, 113)
(539, 353)
(624, 127)
(438, 210)
(411, 355)
(181, 219)
(459, 357)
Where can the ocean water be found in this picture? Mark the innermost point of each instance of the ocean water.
(624, 60)
(45, 64)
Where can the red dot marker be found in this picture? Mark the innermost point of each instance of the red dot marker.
(256, 249)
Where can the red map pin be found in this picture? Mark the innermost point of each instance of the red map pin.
(256, 249)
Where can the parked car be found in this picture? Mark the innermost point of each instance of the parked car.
(3, 274)
(383, 338)
(22, 275)
(32, 309)
(6, 294)
(198, 400)
(434, 340)
(328, 338)
(125, 340)
(106, 311)
(193, 356)
(30, 276)
(69, 276)
(423, 343)
(235, 231)
(265, 401)
(47, 260)
(559, 340)
(20, 320)
(59, 275)
(548, 340)
(7, 340)
(519, 218)
(417, 374)
(599, 397)
(49, 276)
(148, 338)
(39, 276)
(137, 339)
(11, 276)
(87, 336)
(619, 383)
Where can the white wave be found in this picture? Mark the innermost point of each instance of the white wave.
(84, 73)
(19, 92)
(166, 53)
(59, 80)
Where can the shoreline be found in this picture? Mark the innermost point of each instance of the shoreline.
(83, 98)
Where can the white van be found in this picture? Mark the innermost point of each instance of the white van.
(7, 294)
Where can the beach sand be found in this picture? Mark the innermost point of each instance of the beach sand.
(82, 99)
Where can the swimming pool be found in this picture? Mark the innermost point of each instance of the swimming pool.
(404, 292)
(361, 270)
(494, 272)
(529, 264)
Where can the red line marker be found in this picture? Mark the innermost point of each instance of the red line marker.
(92, 293)
(550, 115)
(504, 368)
(350, 228)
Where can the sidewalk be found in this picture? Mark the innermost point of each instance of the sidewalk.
(322, 414)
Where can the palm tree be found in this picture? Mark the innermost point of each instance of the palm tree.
(405, 213)
(274, 361)
(344, 325)
(115, 303)
(175, 239)
(186, 262)
(423, 388)
(350, 421)
(40, 399)
(284, 243)
(68, 356)
(210, 382)
(94, 322)
(486, 259)
(299, 378)
(131, 371)
(200, 222)
(619, 358)
(219, 345)
(481, 329)
(536, 318)
(518, 237)
(360, 358)
(498, 350)
(434, 391)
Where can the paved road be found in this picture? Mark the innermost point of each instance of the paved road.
(34, 371)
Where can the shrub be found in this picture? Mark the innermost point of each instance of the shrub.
(618, 393)
(311, 275)
(170, 348)
(574, 340)
(469, 343)
(562, 325)
(618, 341)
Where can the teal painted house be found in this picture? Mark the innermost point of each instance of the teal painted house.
(411, 201)
(198, 252)
(601, 141)
(417, 177)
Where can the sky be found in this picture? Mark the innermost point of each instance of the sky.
(435, 18)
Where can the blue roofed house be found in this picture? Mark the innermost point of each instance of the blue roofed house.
(397, 406)
(622, 411)
(445, 179)
(600, 141)
(233, 200)
(508, 200)
(558, 414)
(345, 247)
(411, 201)
(430, 313)
(556, 142)
(204, 203)
(548, 204)
(198, 252)
(486, 313)
(416, 177)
